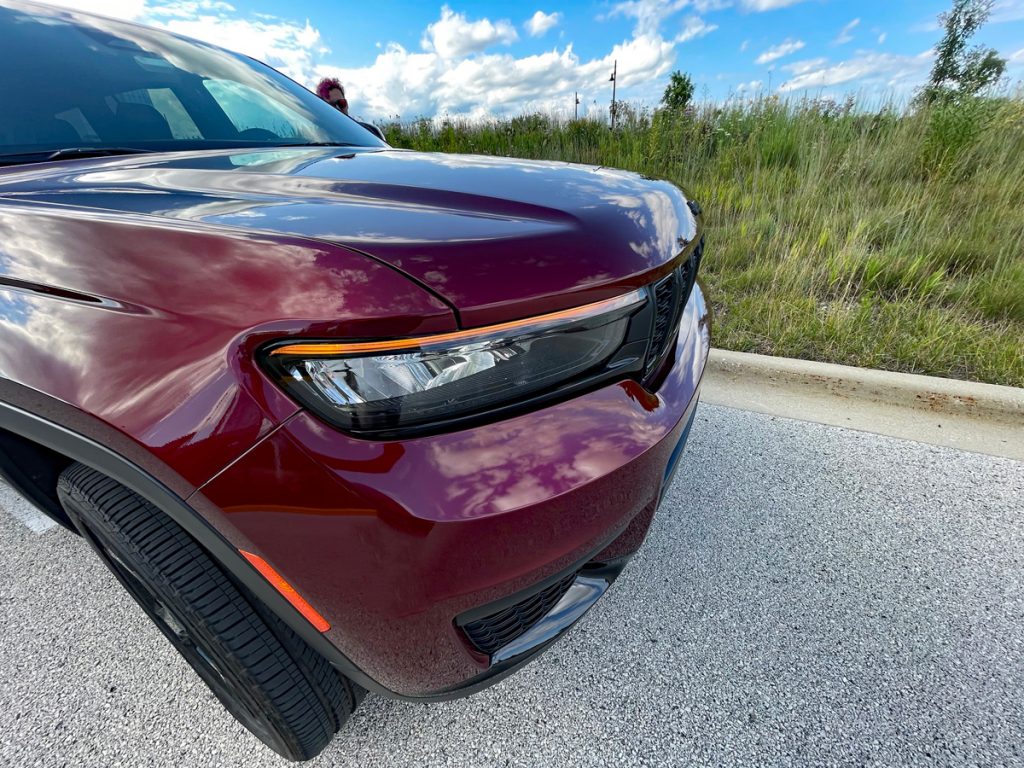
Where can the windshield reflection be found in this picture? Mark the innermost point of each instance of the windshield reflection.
(137, 87)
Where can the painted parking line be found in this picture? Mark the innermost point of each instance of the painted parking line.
(18, 508)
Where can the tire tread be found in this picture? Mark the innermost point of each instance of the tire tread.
(303, 698)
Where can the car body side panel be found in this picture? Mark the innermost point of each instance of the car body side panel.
(390, 541)
(151, 329)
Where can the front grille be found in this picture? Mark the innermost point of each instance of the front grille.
(688, 269)
(491, 633)
(670, 297)
(664, 311)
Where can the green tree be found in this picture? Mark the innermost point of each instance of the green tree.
(678, 92)
(959, 71)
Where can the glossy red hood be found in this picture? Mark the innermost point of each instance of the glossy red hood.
(496, 238)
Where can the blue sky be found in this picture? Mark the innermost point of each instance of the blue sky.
(481, 57)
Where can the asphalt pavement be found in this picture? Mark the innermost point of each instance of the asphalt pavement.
(808, 595)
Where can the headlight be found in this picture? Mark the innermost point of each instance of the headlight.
(385, 387)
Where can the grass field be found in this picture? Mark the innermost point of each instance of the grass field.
(888, 240)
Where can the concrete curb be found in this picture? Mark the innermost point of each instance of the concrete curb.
(978, 417)
(930, 393)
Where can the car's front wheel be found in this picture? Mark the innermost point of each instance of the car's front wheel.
(265, 675)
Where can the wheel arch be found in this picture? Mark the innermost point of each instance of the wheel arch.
(33, 438)
(32, 470)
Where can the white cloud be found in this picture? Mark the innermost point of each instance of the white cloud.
(805, 65)
(703, 6)
(780, 50)
(767, 5)
(285, 45)
(538, 24)
(409, 84)
(1013, 58)
(744, 45)
(649, 14)
(485, 82)
(753, 6)
(883, 70)
(882, 37)
(1007, 10)
(189, 9)
(752, 87)
(453, 35)
(846, 33)
(694, 27)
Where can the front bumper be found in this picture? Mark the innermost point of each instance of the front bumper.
(392, 541)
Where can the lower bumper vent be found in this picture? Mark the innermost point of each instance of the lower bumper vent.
(493, 632)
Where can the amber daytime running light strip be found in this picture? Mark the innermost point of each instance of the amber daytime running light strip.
(526, 325)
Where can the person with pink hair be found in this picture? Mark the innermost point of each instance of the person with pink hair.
(333, 92)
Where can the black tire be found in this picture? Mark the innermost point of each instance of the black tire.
(279, 688)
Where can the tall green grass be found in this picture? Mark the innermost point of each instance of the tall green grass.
(890, 240)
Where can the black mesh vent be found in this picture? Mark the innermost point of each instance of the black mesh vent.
(670, 297)
(688, 270)
(664, 312)
(494, 632)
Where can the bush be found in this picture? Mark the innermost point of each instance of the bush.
(953, 126)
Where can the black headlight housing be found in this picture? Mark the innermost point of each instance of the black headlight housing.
(395, 388)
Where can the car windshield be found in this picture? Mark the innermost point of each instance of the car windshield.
(89, 85)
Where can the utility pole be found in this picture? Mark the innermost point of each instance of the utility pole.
(615, 73)
(576, 109)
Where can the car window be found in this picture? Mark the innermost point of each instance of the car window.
(126, 86)
(248, 111)
(77, 120)
(164, 101)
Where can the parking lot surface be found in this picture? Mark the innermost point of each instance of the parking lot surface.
(808, 595)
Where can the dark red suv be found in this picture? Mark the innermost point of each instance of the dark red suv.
(339, 416)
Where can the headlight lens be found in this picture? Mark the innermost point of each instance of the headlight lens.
(387, 386)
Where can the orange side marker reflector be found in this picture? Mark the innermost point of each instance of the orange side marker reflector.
(286, 589)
